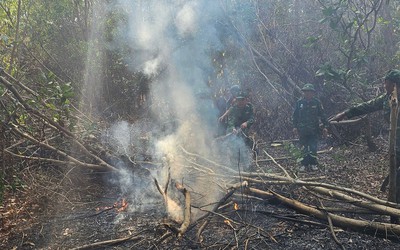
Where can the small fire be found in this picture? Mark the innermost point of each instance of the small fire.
(228, 222)
(235, 206)
(119, 206)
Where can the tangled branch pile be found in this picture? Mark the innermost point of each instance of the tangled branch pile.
(41, 132)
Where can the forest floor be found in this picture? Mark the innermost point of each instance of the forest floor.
(55, 209)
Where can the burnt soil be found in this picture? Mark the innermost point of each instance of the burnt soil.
(55, 208)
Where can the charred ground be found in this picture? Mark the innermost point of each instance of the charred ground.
(75, 208)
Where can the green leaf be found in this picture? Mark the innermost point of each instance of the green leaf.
(51, 106)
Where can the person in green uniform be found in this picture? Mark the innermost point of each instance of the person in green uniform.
(382, 102)
(240, 117)
(306, 118)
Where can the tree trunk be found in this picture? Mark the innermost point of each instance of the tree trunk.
(392, 148)
(15, 43)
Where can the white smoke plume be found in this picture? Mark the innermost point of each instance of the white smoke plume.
(172, 42)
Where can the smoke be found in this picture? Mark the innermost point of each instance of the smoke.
(173, 43)
(121, 138)
(93, 86)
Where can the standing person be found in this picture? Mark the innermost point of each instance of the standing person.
(222, 120)
(306, 118)
(240, 117)
(382, 102)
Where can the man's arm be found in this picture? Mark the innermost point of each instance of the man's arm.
(366, 107)
(362, 109)
(224, 115)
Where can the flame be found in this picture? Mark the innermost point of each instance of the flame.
(123, 205)
(235, 206)
(227, 222)
(119, 206)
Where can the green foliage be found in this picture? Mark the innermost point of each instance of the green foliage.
(331, 16)
(294, 151)
(22, 119)
(58, 96)
(90, 129)
(332, 41)
(381, 20)
(360, 38)
(13, 184)
(331, 74)
(339, 158)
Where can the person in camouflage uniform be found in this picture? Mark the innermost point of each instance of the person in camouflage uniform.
(306, 117)
(240, 117)
(382, 102)
(223, 108)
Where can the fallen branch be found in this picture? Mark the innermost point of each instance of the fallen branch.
(108, 243)
(375, 228)
(276, 159)
(208, 160)
(287, 218)
(201, 168)
(276, 163)
(292, 181)
(164, 237)
(364, 204)
(285, 141)
(331, 227)
(54, 161)
(61, 153)
(28, 108)
(49, 121)
(216, 207)
(347, 121)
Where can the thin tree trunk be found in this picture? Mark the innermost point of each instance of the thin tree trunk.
(16, 39)
(392, 147)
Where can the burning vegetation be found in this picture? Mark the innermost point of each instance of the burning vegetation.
(134, 156)
(229, 196)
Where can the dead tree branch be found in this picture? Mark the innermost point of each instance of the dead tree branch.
(364, 204)
(61, 153)
(108, 243)
(374, 228)
(216, 207)
(276, 163)
(331, 227)
(187, 215)
(52, 124)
